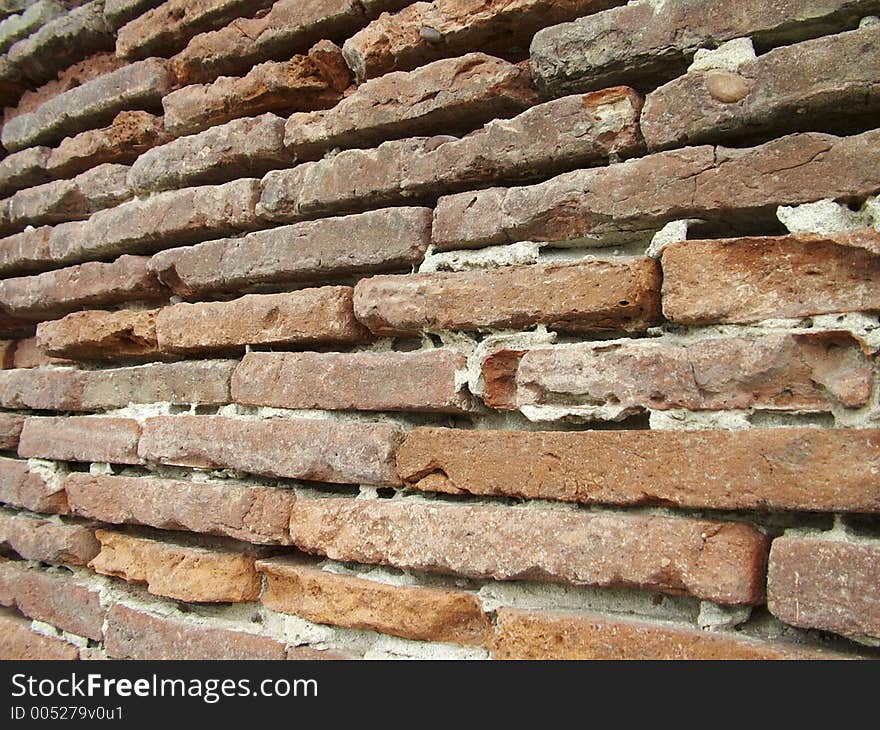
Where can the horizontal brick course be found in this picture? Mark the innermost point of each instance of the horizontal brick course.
(47, 541)
(19, 642)
(81, 438)
(98, 335)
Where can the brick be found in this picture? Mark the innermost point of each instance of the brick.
(386, 381)
(647, 43)
(183, 572)
(241, 148)
(307, 252)
(146, 225)
(808, 85)
(7, 354)
(741, 280)
(545, 139)
(62, 42)
(303, 83)
(423, 614)
(166, 29)
(824, 582)
(55, 598)
(307, 316)
(120, 12)
(68, 200)
(396, 43)
(25, 252)
(556, 635)
(138, 86)
(34, 538)
(16, 27)
(55, 293)
(96, 335)
(719, 185)
(32, 490)
(19, 642)
(447, 96)
(136, 634)
(253, 514)
(301, 448)
(290, 27)
(81, 438)
(28, 354)
(10, 430)
(801, 469)
(721, 562)
(592, 296)
(66, 389)
(130, 134)
(12, 84)
(814, 372)
(24, 169)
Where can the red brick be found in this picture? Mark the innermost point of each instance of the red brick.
(7, 354)
(592, 296)
(741, 280)
(717, 561)
(826, 582)
(244, 512)
(19, 642)
(10, 430)
(423, 614)
(34, 538)
(136, 634)
(183, 572)
(566, 636)
(311, 449)
(29, 354)
(820, 470)
(21, 487)
(97, 335)
(56, 598)
(304, 317)
(81, 438)
(380, 381)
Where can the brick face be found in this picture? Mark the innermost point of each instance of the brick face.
(22, 487)
(35, 538)
(81, 438)
(19, 642)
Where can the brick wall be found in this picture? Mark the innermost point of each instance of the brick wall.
(463, 329)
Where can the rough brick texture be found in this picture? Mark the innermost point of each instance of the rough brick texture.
(81, 438)
(19, 642)
(47, 541)
(22, 486)
(99, 335)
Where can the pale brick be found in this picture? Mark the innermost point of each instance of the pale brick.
(81, 438)
(310, 449)
(19, 642)
(16, 27)
(25, 252)
(24, 169)
(97, 335)
(120, 12)
(21, 487)
(47, 541)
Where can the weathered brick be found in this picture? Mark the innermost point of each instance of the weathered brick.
(24, 252)
(307, 316)
(303, 83)
(24, 169)
(253, 514)
(10, 430)
(34, 538)
(62, 42)
(12, 83)
(545, 139)
(718, 561)
(22, 487)
(97, 335)
(81, 438)
(56, 598)
(448, 96)
(68, 200)
(423, 614)
(7, 354)
(183, 572)
(130, 134)
(821, 470)
(173, 218)
(824, 582)
(166, 29)
(645, 42)
(290, 27)
(372, 381)
(133, 633)
(140, 85)
(816, 84)
(719, 185)
(311, 251)
(19, 642)
(55, 293)
(28, 354)
(66, 389)
(744, 280)
(241, 148)
(396, 42)
(311, 449)
(19, 26)
(546, 635)
(783, 371)
(120, 12)
(595, 296)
